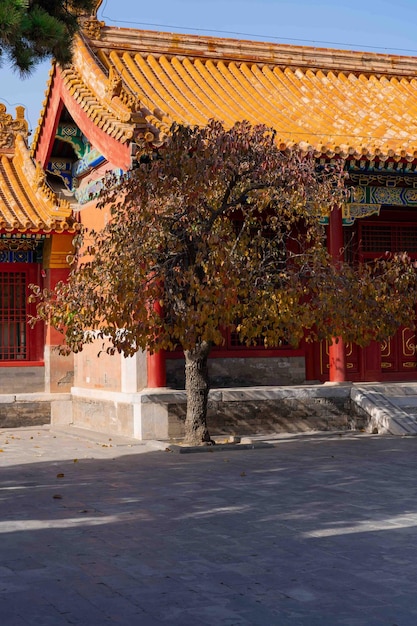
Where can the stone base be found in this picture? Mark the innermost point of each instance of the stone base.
(271, 410)
(22, 380)
(289, 415)
(160, 413)
(126, 414)
(31, 409)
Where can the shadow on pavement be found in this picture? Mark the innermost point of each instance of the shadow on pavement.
(317, 531)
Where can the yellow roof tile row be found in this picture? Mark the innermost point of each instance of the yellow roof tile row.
(328, 101)
(328, 112)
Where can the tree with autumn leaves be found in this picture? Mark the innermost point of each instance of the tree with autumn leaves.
(220, 230)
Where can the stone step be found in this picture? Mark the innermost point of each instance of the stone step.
(388, 413)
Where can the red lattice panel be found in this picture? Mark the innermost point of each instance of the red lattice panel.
(380, 238)
(13, 345)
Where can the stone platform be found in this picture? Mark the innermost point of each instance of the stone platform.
(160, 413)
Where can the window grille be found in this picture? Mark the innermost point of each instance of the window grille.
(380, 238)
(13, 328)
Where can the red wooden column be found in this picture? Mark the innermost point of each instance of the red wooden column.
(156, 363)
(337, 350)
(58, 369)
(156, 370)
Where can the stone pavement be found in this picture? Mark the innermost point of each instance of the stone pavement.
(317, 530)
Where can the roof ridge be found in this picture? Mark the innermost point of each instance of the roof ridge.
(229, 49)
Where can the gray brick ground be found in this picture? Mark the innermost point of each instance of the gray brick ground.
(315, 531)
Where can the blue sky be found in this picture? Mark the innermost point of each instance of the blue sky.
(376, 25)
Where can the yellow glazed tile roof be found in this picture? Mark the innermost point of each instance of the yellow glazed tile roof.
(89, 86)
(133, 82)
(27, 204)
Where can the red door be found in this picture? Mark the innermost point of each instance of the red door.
(399, 354)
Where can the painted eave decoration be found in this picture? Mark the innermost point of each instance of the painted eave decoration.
(27, 203)
(135, 83)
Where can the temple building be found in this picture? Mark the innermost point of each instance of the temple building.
(126, 85)
(36, 231)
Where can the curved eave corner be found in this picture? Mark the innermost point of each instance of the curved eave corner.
(45, 211)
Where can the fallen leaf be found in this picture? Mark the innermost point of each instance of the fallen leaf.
(60, 475)
(57, 496)
(243, 473)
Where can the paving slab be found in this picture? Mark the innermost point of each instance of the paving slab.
(312, 530)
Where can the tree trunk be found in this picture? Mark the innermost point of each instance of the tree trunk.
(197, 387)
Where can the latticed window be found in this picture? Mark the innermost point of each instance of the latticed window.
(18, 342)
(379, 238)
(13, 322)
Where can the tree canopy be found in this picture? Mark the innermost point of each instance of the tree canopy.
(220, 229)
(32, 30)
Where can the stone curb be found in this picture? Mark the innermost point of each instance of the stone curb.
(155, 445)
(219, 447)
(97, 437)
